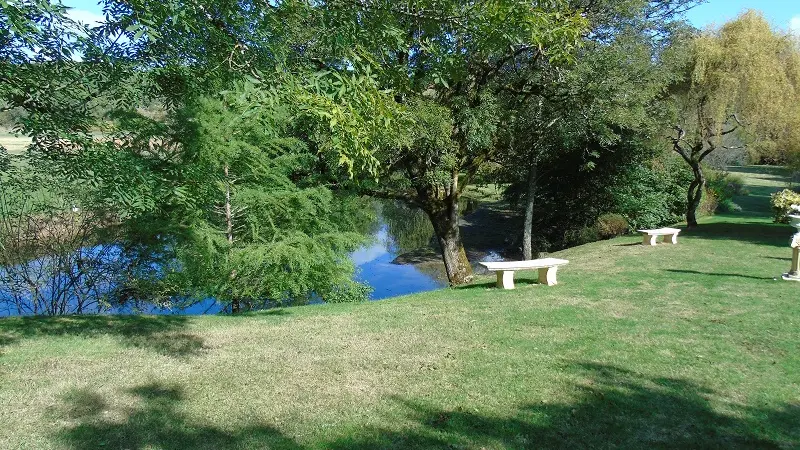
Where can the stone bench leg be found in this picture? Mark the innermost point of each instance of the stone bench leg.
(649, 240)
(671, 239)
(547, 275)
(505, 279)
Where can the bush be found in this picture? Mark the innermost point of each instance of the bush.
(582, 236)
(611, 225)
(721, 187)
(652, 195)
(349, 292)
(782, 203)
(725, 185)
(708, 204)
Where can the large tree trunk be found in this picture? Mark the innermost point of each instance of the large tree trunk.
(456, 264)
(444, 217)
(695, 195)
(527, 231)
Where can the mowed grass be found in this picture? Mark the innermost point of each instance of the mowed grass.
(688, 346)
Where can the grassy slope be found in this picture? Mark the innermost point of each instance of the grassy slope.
(694, 345)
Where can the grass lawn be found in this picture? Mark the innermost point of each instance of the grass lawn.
(688, 346)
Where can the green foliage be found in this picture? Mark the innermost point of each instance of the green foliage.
(709, 204)
(782, 204)
(586, 140)
(611, 225)
(348, 292)
(723, 186)
(259, 225)
(352, 116)
(581, 236)
(651, 195)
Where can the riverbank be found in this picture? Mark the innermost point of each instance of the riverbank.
(687, 346)
(491, 232)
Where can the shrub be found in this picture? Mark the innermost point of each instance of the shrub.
(708, 204)
(721, 187)
(611, 225)
(581, 236)
(782, 203)
(728, 206)
(725, 185)
(652, 195)
(348, 292)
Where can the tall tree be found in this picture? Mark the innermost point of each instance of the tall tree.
(447, 62)
(614, 91)
(259, 223)
(742, 80)
(240, 188)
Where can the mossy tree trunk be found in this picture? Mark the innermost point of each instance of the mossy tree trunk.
(444, 217)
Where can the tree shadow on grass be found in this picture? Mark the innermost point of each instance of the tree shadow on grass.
(518, 283)
(162, 334)
(618, 409)
(156, 422)
(734, 275)
(632, 244)
(778, 258)
(613, 408)
(754, 232)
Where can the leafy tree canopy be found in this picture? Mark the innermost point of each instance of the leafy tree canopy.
(742, 80)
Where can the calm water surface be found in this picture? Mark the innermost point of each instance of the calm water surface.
(387, 279)
(374, 268)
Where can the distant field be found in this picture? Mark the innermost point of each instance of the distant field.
(12, 143)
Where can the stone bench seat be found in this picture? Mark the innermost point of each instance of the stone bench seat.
(505, 270)
(649, 237)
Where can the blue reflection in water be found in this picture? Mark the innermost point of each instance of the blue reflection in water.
(205, 306)
(374, 263)
(387, 279)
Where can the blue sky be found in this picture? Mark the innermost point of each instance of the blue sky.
(784, 14)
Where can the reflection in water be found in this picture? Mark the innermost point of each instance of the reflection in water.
(400, 229)
(375, 268)
(409, 228)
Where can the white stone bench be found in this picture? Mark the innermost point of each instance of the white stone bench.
(505, 270)
(649, 237)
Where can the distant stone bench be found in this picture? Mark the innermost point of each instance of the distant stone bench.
(649, 237)
(505, 270)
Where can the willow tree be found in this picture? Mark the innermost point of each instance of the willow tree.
(743, 82)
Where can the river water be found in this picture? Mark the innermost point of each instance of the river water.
(387, 279)
(375, 267)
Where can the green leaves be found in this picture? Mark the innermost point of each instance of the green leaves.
(743, 75)
(261, 227)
